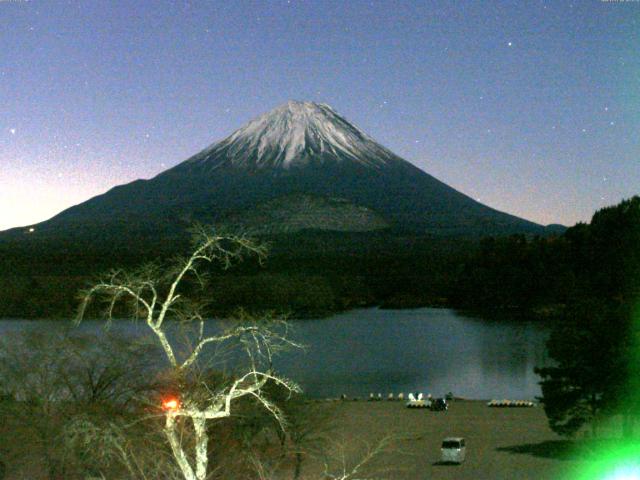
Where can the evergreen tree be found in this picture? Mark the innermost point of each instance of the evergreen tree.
(591, 345)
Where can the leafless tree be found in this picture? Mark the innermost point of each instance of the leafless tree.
(48, 379)
(156, 295)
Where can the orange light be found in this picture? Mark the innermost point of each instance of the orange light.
(170, 404)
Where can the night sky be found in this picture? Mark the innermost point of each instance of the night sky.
(531, 107)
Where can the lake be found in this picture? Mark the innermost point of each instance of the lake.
(423, 350)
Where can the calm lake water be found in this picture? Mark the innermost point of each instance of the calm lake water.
(423, 350)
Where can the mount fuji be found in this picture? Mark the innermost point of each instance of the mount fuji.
(301, 166)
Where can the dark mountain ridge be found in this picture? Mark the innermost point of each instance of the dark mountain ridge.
(299, 148)
(349, 223)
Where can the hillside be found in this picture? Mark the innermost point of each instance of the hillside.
(299, 148)
(349, 222)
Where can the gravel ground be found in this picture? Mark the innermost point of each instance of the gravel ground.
(502, 443)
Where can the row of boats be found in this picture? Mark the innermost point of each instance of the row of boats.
(418, 400)
(510, 403)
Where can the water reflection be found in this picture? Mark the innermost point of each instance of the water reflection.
(372, 350)
(429, 350)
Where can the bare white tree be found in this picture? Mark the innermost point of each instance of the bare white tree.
(156, 295)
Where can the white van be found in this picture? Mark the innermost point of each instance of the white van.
(453, 450)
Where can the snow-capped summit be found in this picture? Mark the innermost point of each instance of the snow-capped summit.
(299, 166)
(295, 134)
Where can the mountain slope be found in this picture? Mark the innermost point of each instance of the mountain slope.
(299, 148)
(296, 213)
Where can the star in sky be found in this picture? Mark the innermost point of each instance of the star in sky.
(61, 95)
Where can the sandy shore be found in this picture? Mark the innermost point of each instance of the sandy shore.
(502, 443)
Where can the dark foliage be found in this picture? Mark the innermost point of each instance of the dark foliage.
(314, 273)
(595, 339)
(598, 260)
(307, 274)
(515, 272)
(591, 345)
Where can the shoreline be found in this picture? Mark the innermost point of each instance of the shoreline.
(516, 314)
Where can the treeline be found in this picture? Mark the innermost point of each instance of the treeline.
(599, 260)
(308, 274)
(587, 282)
(595, 339)
(40, 296)
(316, 273)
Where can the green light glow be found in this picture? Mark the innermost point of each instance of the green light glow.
(622, 463)
(624, 473)
(619, 459)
